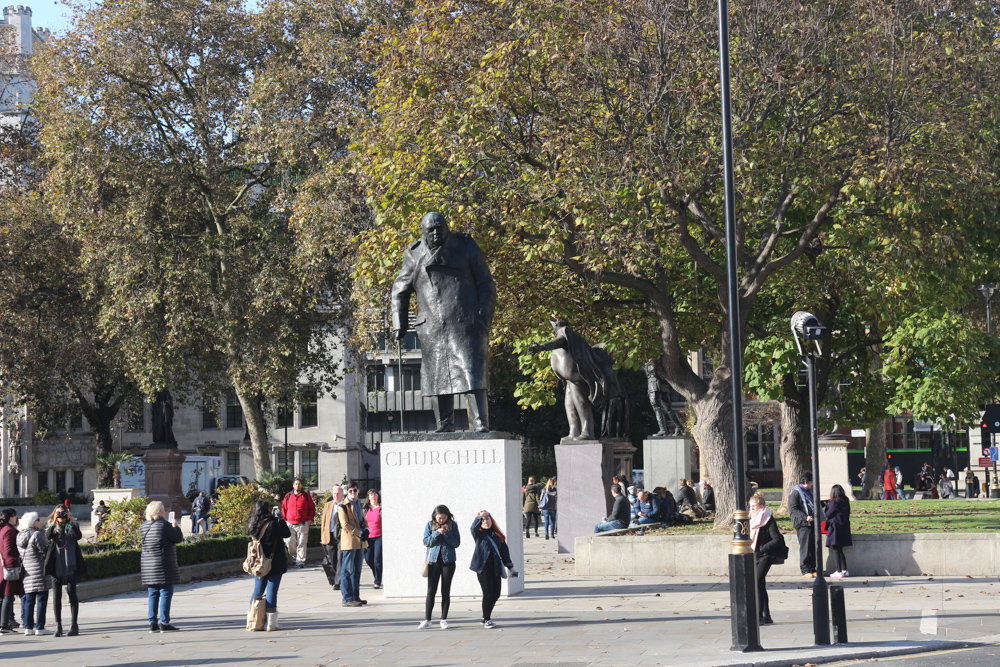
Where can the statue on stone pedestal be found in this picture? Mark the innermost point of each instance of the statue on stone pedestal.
(163, 419)
(456, 297)
(659, 398)
(591, 382)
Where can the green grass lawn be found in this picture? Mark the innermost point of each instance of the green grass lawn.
(893, 516)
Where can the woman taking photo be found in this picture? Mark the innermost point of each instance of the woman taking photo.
(488, 562)
(64, 563)
(9, 559)
(271, 531)
(32, 546)
(838, 526)
(373, 554)
(766, 540)
(441, 539)
(159, 564)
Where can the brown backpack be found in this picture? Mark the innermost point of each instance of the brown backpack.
(256, 563)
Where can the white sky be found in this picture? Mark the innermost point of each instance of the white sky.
(55, 16)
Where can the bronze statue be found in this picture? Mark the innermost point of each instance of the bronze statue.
(591, 382)
(456, 297)
(163, 419)
(659, 397)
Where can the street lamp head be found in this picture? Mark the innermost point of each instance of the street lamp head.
(806, 325)
(987, 290)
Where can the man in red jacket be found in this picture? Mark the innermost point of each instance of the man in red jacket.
(299, 510)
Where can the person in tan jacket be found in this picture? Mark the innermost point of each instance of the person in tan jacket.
(329, 525)
(353, 533)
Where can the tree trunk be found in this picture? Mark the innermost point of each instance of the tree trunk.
(116, 478)
(714, 410)
(254, 414)
(796, 446)
(100, 411)
(875, 459)
(105, 444)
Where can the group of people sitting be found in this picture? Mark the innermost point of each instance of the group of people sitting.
(639, 507)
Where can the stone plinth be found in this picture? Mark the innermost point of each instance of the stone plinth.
(466, 475)
(833, 466)
(107, 495)
(665, 461)
(163, 478)
(584, 469)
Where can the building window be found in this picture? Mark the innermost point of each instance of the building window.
(209, 412)
(232, 463)
(310, 412)
(234, 411)
(286, 463)
(760, 446)
(310, 465)
(411, 378)
(78, 482)
(60, 480)
(43, 479)
(285, 417)
(136, 410)
(376, 378)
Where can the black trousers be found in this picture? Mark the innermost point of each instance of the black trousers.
(443, 573)
(334, 561)
(74, 602)
(763, 566)
(529, 517)
(807, 550)
(839, 559)
(489, 581)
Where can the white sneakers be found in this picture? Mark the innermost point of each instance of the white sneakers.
(839, 574)
(424, 625)
(42, 631)
(489, 625)
(444, 624)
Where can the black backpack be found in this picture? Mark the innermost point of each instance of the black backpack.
(668, 509)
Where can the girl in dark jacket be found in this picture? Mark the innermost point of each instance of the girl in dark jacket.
(271, 531)
(488, 562)
(766, 541)
(838, 526)
(10, 558)
(64, 563)
(159, 564)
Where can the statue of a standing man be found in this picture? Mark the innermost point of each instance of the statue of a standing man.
(456, 297)
(659, 397)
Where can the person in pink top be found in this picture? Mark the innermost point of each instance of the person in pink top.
(373, 554)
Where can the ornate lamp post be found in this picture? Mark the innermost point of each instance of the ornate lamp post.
(742, 569)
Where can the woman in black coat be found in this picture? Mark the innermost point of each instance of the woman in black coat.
(271, 531)
(490, 561)
(159, 564)
(64, 562)
(767, 544)
(838, 527)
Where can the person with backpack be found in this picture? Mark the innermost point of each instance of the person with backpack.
(271, 533)
(158, 565)
(299, 510)
(769, 549)
(548, 506)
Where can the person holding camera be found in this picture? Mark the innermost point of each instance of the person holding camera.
(488, 562)
(64, 563)
(271, 531)
(11, 561)
(441, 539)
(158, 563)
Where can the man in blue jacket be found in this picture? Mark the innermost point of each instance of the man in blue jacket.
(647, 508)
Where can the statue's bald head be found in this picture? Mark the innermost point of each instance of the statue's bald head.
(434, 229)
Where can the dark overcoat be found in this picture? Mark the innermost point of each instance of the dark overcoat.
(456, 297)
(838, 524)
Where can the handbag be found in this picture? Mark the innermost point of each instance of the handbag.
(823, 529)
(14, 573)
(544, 502)
(256, 563)
(257, 614)
(426, 572)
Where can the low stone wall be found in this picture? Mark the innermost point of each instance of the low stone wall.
(907, 554)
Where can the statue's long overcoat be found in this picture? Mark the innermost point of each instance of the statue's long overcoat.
(456, 297)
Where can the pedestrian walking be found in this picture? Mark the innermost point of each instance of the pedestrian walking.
(441, 538)
(548, 504)
(802, 509)
(271, 532)
(838, 529)
(353, 533)
(199, 513)
(299, 511)
(900, 493)
(158, 564)
(65, 564)
(769, 549)
(32, 546)
(946, 487)
(10, 560)
(490, 561)
(373, 553)
(330, 537)
(529, 500)
(889, 484)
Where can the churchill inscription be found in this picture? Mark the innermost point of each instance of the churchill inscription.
(446, 457)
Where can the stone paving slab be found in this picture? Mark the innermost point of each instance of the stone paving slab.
(560, 619)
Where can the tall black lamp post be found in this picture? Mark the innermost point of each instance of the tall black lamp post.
(742, 574)
(987, 291)
(806, 326)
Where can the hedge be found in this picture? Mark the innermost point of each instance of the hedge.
(126, 561)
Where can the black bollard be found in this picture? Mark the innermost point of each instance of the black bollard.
(838, 613)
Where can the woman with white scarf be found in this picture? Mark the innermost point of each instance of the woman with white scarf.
(766, 540)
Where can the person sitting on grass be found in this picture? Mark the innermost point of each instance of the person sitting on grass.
(619, 514)
(647, 508)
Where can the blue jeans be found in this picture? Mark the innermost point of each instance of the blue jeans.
(550, 521)
(609, 525)
(373, 556)
(642, 520)
(350, 575)
(268, 587)
(160, 594)
(204, 522)
(33, 605)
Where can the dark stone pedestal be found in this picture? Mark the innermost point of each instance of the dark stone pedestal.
(743, 601)
(163, 479)
(584, 470)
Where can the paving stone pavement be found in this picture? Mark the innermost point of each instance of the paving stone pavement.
(560, 619)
